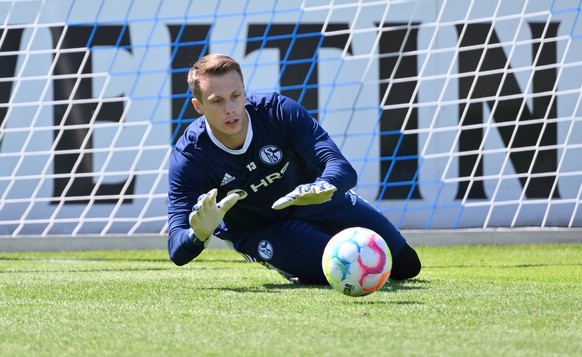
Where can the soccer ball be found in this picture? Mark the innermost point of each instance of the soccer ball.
(357, 261)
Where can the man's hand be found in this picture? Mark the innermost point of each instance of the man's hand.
(207, 214)
(307, 194)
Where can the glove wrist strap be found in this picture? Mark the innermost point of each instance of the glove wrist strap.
(194, 237)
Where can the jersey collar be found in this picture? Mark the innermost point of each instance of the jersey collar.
(246, 144)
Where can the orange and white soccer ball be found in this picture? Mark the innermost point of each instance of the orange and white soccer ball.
(357, 261)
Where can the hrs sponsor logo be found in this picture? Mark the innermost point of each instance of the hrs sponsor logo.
(262, 183)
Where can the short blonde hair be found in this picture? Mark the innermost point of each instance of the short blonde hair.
(212, 64)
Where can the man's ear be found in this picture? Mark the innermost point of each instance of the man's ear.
(196, 104)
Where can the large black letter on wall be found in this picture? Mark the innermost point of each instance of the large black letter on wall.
(298, 46)
(478, 59)
(399, 152)
(189, 43)
(70, 142)
(10, 43)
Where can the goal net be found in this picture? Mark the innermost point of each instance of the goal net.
(456, 114)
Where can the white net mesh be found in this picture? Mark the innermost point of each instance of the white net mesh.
(455, 113)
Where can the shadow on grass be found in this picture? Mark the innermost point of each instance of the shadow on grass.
(382, 302)
(505, 266)
(390, 287)
(274, 288)
(412, 284)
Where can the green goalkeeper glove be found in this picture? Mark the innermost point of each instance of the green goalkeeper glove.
(307, 194)
(207, 214)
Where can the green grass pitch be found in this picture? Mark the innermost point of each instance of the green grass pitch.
(521, 300)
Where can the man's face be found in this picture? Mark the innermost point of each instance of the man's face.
(223, 104)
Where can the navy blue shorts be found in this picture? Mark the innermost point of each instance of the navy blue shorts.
(295, 246)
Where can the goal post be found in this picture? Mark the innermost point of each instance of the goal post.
(459, 116)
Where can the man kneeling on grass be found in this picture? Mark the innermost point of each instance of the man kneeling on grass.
(257, 171)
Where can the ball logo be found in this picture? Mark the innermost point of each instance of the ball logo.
(348, 288)
(265, 250)
(271, 155)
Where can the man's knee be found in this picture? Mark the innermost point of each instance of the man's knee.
(406, 264)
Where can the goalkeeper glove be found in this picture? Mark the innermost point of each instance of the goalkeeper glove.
(207, 214)
(307, 194)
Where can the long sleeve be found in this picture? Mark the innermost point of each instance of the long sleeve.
(182, 195)
(315, 145)
(181, 248)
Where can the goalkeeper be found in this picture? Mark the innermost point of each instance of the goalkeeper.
(257, 171)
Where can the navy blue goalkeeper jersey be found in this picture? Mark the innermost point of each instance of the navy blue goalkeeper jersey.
(285, 147)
